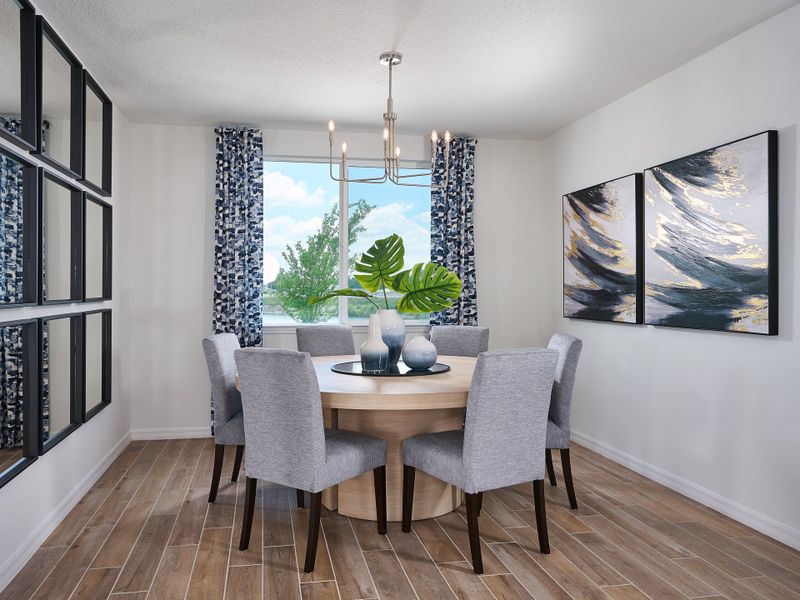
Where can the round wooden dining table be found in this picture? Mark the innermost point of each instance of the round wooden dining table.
(394, 408)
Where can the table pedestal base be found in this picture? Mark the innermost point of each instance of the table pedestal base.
(356, 497)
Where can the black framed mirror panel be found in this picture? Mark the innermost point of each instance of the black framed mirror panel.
(60, 402)
(97, 227)
(59, 102)
(60, 241)
(95, 362)
(18, 119)
(19, 281)
(19, 397)
(97, 140)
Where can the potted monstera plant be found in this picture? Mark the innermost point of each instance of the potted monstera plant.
(425, 288)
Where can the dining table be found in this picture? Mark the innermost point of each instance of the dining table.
(394, 408)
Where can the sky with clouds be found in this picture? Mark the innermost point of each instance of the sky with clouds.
(297, 195)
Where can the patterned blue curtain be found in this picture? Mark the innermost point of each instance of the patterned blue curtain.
(11, 206)
(11, 388)
(239, 235)
(452, 237)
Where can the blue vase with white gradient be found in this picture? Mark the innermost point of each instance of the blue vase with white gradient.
(393, 332)
(374, 353)
(419, 354)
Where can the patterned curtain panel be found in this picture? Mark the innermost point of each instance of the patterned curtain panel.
(11, 379)
(239, 235)
(10, 222)
(452, 238)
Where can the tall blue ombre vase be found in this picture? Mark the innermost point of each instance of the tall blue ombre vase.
(393, 332)
(374, 353)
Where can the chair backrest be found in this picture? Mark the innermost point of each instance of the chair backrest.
(219, 349)
(569, 350)
(506, 425)
(283, 426)
(460, 340)
(325, 340)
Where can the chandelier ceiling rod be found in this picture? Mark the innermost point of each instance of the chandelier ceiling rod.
(391, 152)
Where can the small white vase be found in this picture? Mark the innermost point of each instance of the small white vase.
(374, 353)
(393, 332)
(419, 354)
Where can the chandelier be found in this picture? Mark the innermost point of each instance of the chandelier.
(391, 152)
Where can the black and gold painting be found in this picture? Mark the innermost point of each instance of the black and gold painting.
(602, 251)
(710, 224)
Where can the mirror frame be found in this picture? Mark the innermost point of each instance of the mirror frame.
(75, 168)
(31, 437)
(30, 231)
(103, 188)
(107, 248)
(75, 406)
(27, 29)
(105, 365)
(76, 246)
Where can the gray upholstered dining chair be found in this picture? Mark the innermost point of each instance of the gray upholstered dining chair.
(558, 422)
(228, 424)
(460, 340)
(502, 443)
(325, 340)
(287, 443)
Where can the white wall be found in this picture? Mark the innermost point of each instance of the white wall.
(33, 502)
(717, 412)
(172, 213)
(509, 243)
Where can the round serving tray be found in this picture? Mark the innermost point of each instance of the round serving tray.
(353, 367)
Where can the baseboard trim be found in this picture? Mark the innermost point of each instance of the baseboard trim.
(26, 550)
(168, 433)
(747, 516)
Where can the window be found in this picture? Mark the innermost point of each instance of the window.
(302, 237)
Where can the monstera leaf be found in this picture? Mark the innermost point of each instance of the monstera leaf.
(426, 287)
(378, 265)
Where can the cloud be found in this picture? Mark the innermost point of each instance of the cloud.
(284, 229)
(282, 190)
(395, 218)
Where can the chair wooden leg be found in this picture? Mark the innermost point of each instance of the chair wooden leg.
(237, 463)
(249, 506)
(474, 536)
(480, 503)
(408, 496)
(551, 472)
(219, 454)
(313, 531)
(301, 499)
(379, 476)
(541, 516)
(566, 467)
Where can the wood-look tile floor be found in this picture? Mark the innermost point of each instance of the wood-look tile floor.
(145, 531)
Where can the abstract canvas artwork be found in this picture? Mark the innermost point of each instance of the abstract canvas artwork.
(602, 251)
(710, 222)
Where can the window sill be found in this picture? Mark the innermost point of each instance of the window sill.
(419, 327)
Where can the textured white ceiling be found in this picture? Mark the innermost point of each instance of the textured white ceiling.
(504, 68)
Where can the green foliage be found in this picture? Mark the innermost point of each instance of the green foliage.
(313, 267)
(377, 265)
(426, 287)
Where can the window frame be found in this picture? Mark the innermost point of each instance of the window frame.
(75, 386)
(31, 436)
(105, 364)
(413, 325)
